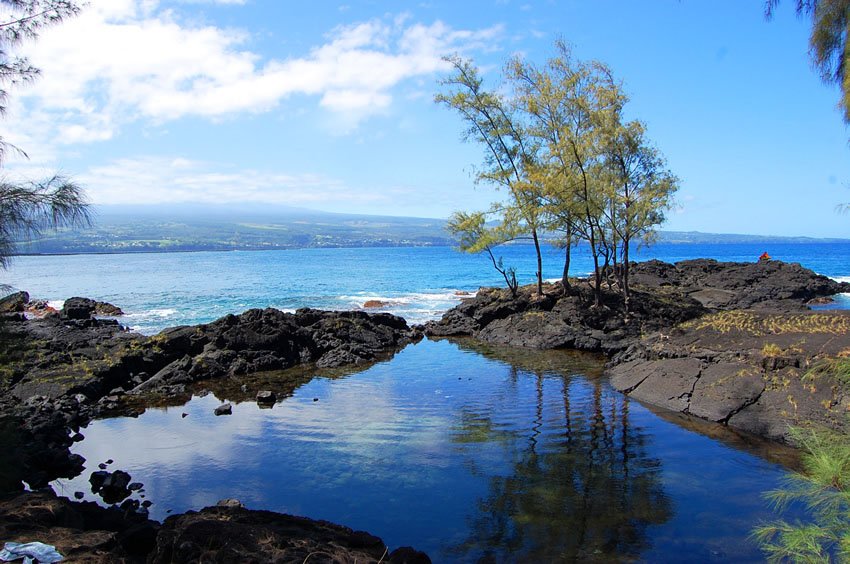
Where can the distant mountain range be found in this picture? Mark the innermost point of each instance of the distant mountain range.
(197, 227)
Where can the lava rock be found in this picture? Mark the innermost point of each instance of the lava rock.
(15, 302)
(266, 397)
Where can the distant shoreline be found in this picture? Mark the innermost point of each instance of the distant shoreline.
(758, 241)
(247, 250)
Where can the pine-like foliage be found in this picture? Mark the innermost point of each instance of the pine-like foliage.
(823, 487)
(28, 208)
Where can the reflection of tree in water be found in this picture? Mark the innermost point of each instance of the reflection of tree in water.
(581, 483)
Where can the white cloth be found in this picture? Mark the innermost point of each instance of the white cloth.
(30, 552)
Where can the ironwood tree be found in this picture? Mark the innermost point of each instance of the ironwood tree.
(28, 208)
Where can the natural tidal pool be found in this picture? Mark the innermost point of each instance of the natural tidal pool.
(465, 451)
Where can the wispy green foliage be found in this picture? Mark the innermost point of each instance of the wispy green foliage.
(823, 488)
(474, 236)
(26, 209)
(827, 42)
(510, 151)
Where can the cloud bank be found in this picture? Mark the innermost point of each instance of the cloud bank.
(123, 61)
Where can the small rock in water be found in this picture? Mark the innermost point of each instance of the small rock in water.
(135, 486)
(147, 503)
(315, 399)
(77, 437)
(79, 495)
(266, 397)
(184, 415)
(96, 479)
(224, 409)
(110, 461)
(117, 480)
(102, 466)
(229, 502)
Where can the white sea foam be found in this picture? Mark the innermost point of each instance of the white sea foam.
(841, 278)
(415, 307)
(56, 304)
(161, 313)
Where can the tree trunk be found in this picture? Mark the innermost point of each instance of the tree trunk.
(627, 298)
(565, 278)
(597, 276)
(539, 262)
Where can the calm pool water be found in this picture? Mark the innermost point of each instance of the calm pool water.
(464, 451)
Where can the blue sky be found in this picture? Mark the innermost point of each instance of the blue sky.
(330, 105)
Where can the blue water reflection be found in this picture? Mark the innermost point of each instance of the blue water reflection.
(460, 450)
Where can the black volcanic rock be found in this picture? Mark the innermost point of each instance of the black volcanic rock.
(563, 320)
(14, 302)
(86, 532)
(739, 285)
(84, 308)
(231, 534)
(663, 295)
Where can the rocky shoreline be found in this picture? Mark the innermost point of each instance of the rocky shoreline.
(734, 343)
(61, 370)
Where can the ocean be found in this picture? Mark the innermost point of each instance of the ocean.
(161, 290)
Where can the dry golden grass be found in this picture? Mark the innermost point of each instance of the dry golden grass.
(760, 325)
(771, 349)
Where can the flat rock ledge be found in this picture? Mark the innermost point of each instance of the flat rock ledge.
(86, 532)
(752, 370)
(734, 343)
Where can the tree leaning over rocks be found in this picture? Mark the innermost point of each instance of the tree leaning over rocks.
(28, 208)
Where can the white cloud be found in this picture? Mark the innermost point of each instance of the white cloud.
(127, 60)
(170, 180)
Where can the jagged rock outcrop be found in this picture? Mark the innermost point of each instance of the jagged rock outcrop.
(83, 308)
(663, 295)
(559, 320)
(14, 302)
(770, 284)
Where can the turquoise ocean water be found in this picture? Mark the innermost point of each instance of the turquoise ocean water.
(162, 290)
(471, 453)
